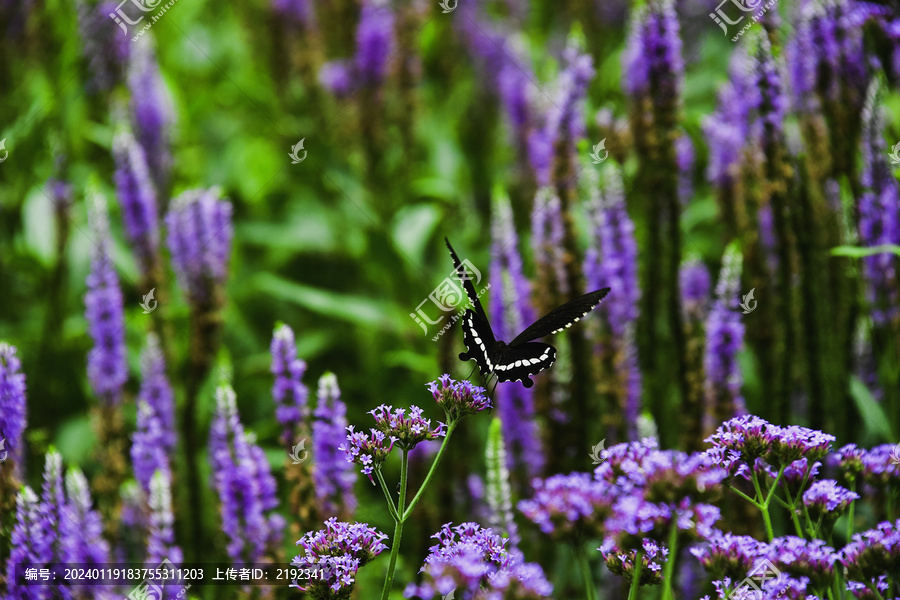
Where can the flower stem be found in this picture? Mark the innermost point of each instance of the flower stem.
(387, 495)
(764, 508)
(412, 504)
(398, 528)
(636, 574)
(590, 590)
(850, 514)
(669, 569)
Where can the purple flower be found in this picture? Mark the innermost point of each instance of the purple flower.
(879, 215)
(797, 476)
(333, 475)
(805, 558)
(510, 312)
(749, 435)
(547, 240)
(458, 398)
(370, 450)
(340, 550)
(769, 101)
(568, 507)
(374, 42)
(31, 541)
(161, 537)
(694, 284)
(408, 429)
(872, 553)
(652, 63)
(288, 390)
(685, 157)
(152, 112)
(157, 392)
(81, 529)
(724, 338)
(53, 498)
(634, 518)
(244, 484)
(301, 12)
(107, 369)
(104, 44)
(337, 77)
(879, 466)
(200, 232)
(793, 442)
(621, 562)
(12, 403)
(726, 130)
(148, 450)
(474, 562)
(732, 556)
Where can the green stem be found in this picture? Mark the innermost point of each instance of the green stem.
(669, 569)
(398, 528)
(590, 590)
(431, 472)
(764, 508)
(387, 495)
(636, 575)
(874, 589)
(850, 514)
(745, 496)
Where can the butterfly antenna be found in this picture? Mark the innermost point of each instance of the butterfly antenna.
(472, 372)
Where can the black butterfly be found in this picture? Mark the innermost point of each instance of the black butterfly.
(522, 357)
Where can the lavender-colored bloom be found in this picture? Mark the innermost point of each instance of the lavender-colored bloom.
(148, 450)
(724, 338)
(879, 467)
(797, 476)
(547, 234)
(684, 156)
(499, 492)
(374, 42)
(337, 77)
(81, 528)
(200, 232)
(469, 558)
(611, 260)
(794, 442)
(107, 369)
(12, 403)
(288, 391)
(568, 507)
(53, 497)
(32, 541)
(652, 63)
(152, 112)
(301, 12)
(333, 475)
(805, 558)
(157, 392)
(872, 553)
(726, 130)
(729, 555)
(408, 429)
(621, 562)
(340, 550)
(879, 215)
(104, 45)
(242, 483)
(369, 450)
(458, 398)
(510, 311)
(769, 103)
(694, 284)
(161, 537)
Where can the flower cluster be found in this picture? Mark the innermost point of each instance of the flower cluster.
(333, 476)
(567, 506)
(728, 555)
(339, 550)
(623, 563)
(367, 450)
(826, 499)
(12, 401)
(288, 390)
(474, 562)
(407, 429)
(812, 559)
(458, 398)
(873, 552)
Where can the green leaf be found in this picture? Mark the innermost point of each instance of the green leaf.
(872, 412)
(858, 252)
(413, 227)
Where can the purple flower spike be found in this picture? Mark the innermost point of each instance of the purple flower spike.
(157, 392)
(339, 550)
(104, 44)
(32, 541)
(724, 339)
(81, 529)
(374, 42)
(727, 129)
(161, 538)
(547, 234)
(12, 403)
(137, 199)
(200, 232)
(148, 451)
(458, 398)
(152, 112)
(694, 283)
(337, 77)
(409, 430)
(510, 311)
(298, 11)
(333, 475)
(653, 66)
(107, 369)
(288, 391)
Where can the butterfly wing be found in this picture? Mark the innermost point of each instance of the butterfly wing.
(520, 362)
(470, 288)
(479, 341)
(561, 317)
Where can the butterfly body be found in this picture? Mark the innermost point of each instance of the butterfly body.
(523, 357)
